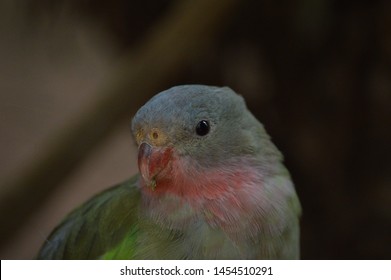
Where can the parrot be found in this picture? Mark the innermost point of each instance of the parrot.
(211, 185)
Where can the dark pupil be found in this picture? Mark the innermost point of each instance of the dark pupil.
(202, 128)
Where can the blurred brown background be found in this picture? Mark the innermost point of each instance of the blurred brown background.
(317, 73)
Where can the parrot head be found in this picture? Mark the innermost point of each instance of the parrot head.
(187, 131)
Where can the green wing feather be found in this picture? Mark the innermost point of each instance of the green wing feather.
(96, 228)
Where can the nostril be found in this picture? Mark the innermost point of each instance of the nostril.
(157, 137)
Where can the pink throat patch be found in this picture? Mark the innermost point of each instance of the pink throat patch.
(182, 178)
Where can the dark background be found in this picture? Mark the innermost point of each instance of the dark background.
(316, 73)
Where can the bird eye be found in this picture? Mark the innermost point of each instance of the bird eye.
(202, 128)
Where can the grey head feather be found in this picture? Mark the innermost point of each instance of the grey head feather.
(234, 131)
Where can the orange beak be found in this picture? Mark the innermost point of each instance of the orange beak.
(151, 162)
